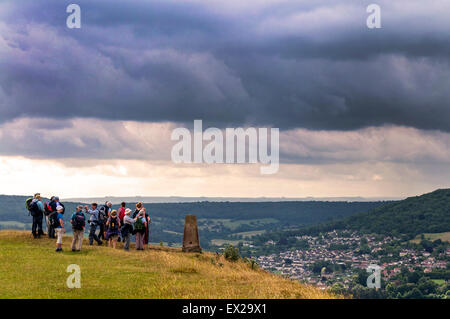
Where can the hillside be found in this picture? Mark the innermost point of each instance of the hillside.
(32, 269)
(428, 213)
(218, 221)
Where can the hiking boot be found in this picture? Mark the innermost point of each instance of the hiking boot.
(58, 250)
(100, 243)
(73, 250)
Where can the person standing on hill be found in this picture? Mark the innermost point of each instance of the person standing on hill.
(93, 223)
(59, 228)
(113, 226)
(103, 214)
(54, 202)
(36, 209)
(127, 229)
(139, 228)
(121, 214)
(139, 208)
(50, 209)
(78, 222)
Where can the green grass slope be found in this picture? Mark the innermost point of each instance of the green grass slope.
(31, 268)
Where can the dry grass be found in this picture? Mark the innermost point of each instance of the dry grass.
(31, 268)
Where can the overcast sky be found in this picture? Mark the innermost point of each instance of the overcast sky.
(89, 112)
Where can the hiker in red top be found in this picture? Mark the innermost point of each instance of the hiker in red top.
(121, 215)
(122, 212)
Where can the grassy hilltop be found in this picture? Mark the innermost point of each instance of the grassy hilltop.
(32, 269)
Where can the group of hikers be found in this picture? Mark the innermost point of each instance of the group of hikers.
(113, 225)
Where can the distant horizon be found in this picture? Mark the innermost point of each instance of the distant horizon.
(185, 199)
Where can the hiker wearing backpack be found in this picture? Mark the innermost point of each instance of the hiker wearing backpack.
(139, 228)
(139, 207)
(113, 229)
(93, 223)
(36, 209)
(55, 203)
(103, 214)
(78, 222)
(49, 209)
(127, 229)
(58, 225)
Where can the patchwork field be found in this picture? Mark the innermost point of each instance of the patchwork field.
(433, 236)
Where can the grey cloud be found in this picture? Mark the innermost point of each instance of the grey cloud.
(295, 64)
(93, 139)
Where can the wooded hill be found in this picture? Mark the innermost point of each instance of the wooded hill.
(428, 213)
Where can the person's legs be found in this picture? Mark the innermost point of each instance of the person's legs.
(58, 239)
(146, 236)
(138, 241)
(50, 231)
(34, 226)
(39, 225)
(101, 234)
(114, 240)
(126, 241)
(92, 234)
(80, 239)
(74, 240)
(141, 241)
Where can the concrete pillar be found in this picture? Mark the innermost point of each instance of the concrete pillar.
(191, 242)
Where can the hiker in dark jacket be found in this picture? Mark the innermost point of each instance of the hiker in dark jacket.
(113, 229)
(127, 229)
(78, 221)
(37, 212)
(51, 208)
(103, 215)
(54, 202)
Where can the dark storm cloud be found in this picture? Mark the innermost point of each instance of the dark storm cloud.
(291, 64)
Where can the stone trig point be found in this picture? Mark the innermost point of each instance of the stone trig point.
(191, 243)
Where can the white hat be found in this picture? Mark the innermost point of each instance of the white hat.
(58, 208)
